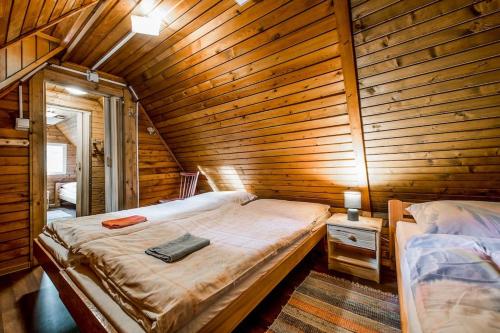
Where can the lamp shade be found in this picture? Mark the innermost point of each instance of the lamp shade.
(352, 199)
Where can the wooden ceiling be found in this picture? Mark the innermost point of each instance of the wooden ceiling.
(21, 17)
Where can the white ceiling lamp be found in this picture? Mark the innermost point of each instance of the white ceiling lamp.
(75, 91)
(148, 25)
(242, 2)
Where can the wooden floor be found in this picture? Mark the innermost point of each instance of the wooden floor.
(29, 301)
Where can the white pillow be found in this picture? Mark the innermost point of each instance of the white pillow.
(472, 218)
(240, 197)
(297, 210)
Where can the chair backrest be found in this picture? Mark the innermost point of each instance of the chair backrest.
(189, 180)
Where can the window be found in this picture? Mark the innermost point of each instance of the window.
(56, 158)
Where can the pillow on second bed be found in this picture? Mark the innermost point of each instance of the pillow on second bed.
(472, 218)
(298, 210)
(240, 197)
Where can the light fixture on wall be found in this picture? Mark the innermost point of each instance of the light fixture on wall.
(148, 25)
(76, 91)
(352, 201)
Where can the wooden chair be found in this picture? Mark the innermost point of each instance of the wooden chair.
(189, 180)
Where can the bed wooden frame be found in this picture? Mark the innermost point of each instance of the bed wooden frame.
(398, 212)
(90, 319)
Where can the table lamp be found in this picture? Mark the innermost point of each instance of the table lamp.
(352, 201)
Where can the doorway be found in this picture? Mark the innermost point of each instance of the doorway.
(74, 152)
(122, 154)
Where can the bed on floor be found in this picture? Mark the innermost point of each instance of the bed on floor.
(447, 265)
(253, 248)
(66, 192)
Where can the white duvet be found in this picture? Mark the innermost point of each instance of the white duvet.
(162, 296)
(73, 232)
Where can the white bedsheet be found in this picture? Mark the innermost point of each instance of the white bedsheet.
(404, 231)
(71, 233)
(68, 194)
(95, 291)
(163, 297)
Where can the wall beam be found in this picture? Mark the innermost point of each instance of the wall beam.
(346, 48)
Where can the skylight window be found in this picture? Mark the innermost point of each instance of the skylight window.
(148, 25)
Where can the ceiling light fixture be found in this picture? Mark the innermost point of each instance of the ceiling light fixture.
(148, 25)
(75, 91)
(241, 2)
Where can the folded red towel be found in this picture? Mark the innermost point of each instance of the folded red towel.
(123, 222)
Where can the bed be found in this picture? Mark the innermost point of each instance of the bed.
(68, 234)
(474, 303)
(84, 291)
(66, 192)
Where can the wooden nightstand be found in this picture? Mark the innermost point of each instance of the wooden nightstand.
(354, 247)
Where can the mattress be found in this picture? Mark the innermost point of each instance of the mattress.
(404, 231)
(71, 233)
(164, 297)
(93, 289)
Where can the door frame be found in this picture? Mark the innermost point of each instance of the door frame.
(38, 140)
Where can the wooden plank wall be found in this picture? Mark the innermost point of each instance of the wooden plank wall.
(158, 172)
(54, 135)
(429, 85)
(261, 106)
(22, 57)
(14, 188)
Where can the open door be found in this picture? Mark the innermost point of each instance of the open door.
(83, 164)
(113, 152)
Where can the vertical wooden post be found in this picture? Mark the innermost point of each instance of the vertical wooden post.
(130, 172)
(346, 48)
(38, 139)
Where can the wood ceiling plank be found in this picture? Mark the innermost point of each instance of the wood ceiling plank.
(219, 39)
(16, 19)
(118, 33)
(63, 27)
(98, 36)
(48, 7)
(288, 60)
(182, 28)
(5, 9)
(47, 25)
(32, 15)
(268, 42)
(58, 8)
(141, 50)
(75, 35)
(253, 57)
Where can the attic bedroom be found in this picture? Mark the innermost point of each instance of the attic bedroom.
(249, 166)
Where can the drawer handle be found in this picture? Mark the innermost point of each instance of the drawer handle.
(352, 238)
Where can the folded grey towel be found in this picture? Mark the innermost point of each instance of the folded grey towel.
(178, 248)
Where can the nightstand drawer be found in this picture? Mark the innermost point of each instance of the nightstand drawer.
(353, 237)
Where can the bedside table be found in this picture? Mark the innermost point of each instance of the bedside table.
(354, 246)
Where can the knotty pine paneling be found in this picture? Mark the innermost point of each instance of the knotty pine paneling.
(54, 135)
(14, 188)
(158, 172)
(258, 103)
(429, 86)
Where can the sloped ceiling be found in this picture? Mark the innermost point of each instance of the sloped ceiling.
(254, 94)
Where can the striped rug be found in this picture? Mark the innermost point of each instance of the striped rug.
(323, 303)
